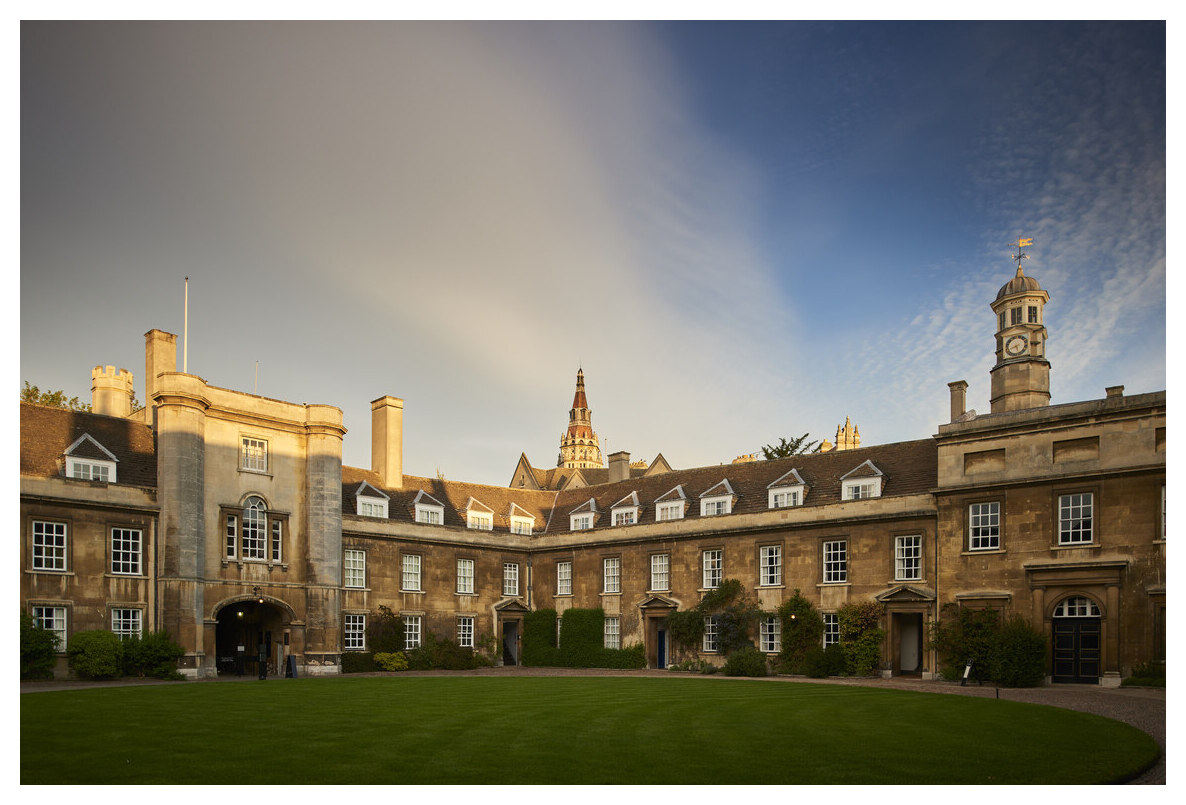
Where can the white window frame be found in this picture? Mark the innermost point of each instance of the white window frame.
(432, 515)
(1076, 607)
(479, 521)
(611, 574)
(510, 578)
(908, 557)
(253, 454)
(277, 540)
(716, 505)
(612, 632)
(564, 578)
(52, 619)
(831, 628)
(786, 497)
(1076, 518)
(127, 622)
(711, 642)
(465, 576)
(670, 510)
(253, 530)
(712, 563)
(354, 632)
(984, 526)
(861, 488)
(770, 565)
(410, 572)
(412, 632)
(626, 515)
(367, 506)
(465, 631)
(354, 568)
(127, 547)
(90, 469)
(50, 545)
(580, 522)
(835, 561)
(522, 525)
(770, 641)
(231, 533)
(660, 572)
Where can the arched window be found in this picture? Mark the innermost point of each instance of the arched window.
(247, 531)
(1078, 607)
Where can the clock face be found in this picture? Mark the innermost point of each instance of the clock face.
(1016, 345)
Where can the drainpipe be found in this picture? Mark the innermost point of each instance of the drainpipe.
(530, 580)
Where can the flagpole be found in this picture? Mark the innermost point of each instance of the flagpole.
(185, 333)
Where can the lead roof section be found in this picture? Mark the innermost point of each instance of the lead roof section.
(46, 433)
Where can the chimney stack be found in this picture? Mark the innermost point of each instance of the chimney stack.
(619, 466)
(959, 399)
(387, 441)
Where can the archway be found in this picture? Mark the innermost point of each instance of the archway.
(246, 626)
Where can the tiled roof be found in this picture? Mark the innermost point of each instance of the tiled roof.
(46, 433)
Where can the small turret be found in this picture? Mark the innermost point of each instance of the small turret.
(111, 391)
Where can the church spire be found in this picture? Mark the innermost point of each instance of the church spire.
(579, 447)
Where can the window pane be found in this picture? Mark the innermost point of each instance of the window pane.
(125, 551)
(49, 546)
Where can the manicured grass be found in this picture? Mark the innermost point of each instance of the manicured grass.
(560, 730)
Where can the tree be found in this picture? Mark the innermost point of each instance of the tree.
(53, 399)
(793, 447)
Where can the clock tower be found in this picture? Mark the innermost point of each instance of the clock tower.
(1021, 376)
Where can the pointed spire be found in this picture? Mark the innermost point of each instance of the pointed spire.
(579, 447)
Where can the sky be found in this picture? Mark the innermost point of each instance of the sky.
(739, 231)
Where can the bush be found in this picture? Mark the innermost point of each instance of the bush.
(153, 655)
(96, 654)
(539, 638)
(393, 661)
(962, 634)
(39, 650)
(385, 632)
(358, 662)
(695, 666)
(440, 655)
(1019, 655)
(802, 633)
(746, 661)
(820, 663)
(861, 635)
(1149, 674)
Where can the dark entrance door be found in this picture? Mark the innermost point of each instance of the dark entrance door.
(661, 649)
(1076, 650)
(243, 629)
(510, 642)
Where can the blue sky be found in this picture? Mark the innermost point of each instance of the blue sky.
(741, 231)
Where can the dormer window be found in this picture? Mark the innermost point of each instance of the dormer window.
(87, 460)
(862, 482)
(787, 491)
(583, 517)
(626, 511)
(671, 506)
(479, 516)
(717, 500)
(370, 502)
(522, 522)
(427, 509)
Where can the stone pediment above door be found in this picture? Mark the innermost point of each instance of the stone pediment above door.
(511, 605)
(658, 602)
(906, 594)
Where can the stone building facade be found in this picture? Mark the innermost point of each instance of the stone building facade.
(228, 520)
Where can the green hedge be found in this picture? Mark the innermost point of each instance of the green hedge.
(95, 654)
(802, 634)
(358, 662)
(153, 655)
(582, 642)
(39, 650)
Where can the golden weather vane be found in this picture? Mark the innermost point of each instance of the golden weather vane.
(1021, 244)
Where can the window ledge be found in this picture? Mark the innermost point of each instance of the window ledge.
(37, 570)
(264, 473)
(357, 589)
(981, 552)
(562, 595)
(1075, 546)
(906, 581)
(771, 587)
(412, 592)
(834, 584)
(467, 595)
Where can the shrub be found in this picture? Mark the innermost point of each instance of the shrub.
(747, 661)
(737, 614)
(1150, 674)
(391, 661)
(385, 631)
(1019, 655)
(39, 650)
(861, 635)
(95, 654)
(820, 663)
(358, 662)
(962, 634)
(153, 655)
(539, 638)
(695, 666)
(802, 632)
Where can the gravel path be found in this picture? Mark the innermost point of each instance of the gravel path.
(1143, 708)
